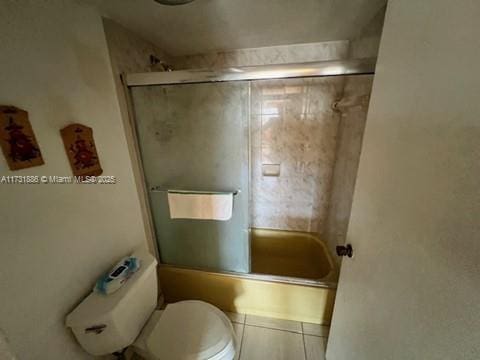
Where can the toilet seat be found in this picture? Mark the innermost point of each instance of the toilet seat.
(192, 330)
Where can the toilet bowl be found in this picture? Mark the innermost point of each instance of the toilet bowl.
(186, 330)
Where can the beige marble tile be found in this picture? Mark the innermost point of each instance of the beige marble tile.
(294, 126)
(274, 323)
(129, 52)
(236, 317)
(314, 347)
(353, 107)
(315, 329)
(320, 51)
(262, 343)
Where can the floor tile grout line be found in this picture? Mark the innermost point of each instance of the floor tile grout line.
(290, 331)
(304, 345)
(241, 342)
(273, 328)
(266, 327)
(302, 331)
(263, 327)
(320, 336)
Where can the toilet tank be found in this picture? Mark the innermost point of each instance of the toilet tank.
(104, 324)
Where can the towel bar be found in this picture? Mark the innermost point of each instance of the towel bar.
(159, 189)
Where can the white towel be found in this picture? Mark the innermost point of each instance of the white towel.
(201, 206)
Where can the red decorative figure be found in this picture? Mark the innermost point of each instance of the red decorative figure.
(17, 139)
(84, 158)
(81, 151)
(21, 146)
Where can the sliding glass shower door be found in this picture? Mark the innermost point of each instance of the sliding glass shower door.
(195, 137)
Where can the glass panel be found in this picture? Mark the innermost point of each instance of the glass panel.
(195, 137)
(294, 142)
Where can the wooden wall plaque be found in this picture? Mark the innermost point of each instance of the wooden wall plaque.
(81, 150)
(17, 139)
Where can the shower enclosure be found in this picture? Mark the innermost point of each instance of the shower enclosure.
(273, 136)
(195, 137)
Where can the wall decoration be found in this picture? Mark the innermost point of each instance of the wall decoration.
(81, 150)
(17, 139)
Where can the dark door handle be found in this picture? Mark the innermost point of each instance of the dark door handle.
(346, 250)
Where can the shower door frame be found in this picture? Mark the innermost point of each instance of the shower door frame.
(364, 66)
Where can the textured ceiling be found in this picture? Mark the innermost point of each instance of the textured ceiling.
(209, 25)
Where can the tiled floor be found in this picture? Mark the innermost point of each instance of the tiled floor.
(261, 338)
(273, 339)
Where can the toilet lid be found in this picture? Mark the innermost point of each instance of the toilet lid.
(192, 330)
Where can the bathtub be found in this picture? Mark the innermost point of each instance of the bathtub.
(293, 277)
(298, 255)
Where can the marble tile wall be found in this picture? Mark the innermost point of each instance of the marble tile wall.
(331, 50)
(353, 108)
(128, 51)
(294, 126)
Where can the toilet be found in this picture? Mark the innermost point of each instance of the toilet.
(193, 330)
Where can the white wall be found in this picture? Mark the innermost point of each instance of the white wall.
(56, 239)
(367, 42)
(412, 290)
(211, 25)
